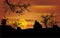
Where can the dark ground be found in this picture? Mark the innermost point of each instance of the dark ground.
(36, 31)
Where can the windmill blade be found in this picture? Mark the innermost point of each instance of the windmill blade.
(11, 6)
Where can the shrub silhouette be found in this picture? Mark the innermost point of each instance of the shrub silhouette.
(37, 25)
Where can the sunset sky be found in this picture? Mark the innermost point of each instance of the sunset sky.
(37, 8)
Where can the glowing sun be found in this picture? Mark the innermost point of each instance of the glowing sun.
(22, 23)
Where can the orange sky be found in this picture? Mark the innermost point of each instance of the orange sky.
(37, 6)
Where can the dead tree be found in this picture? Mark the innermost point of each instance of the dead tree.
(47, 19)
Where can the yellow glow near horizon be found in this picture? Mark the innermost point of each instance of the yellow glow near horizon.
(22, 24)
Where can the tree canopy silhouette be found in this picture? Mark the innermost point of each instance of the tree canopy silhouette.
(49, 20)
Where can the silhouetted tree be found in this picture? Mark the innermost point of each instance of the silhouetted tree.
(4, 27)
(45, 19)
(49, 19)
(22, 7)
(53, 21)
(7, 30)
